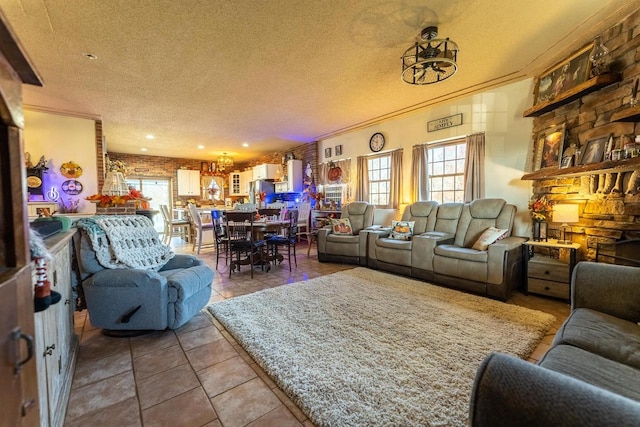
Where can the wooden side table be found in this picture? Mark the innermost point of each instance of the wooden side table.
(545, 275)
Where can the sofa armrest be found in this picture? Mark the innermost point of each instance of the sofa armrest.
(509, 391)
(182, 261)
(422, 247)
(609, 288)
(126, 278)
(322, 239)
(503, 256)
(373, 235)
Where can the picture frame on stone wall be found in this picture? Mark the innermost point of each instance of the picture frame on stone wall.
(552, 145)
(563, 76)
(537, 152)
(593, 150)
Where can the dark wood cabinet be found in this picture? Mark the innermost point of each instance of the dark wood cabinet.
(18, 378)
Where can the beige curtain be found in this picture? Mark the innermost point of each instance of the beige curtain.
(474, 168)
(419, 173)
(395, 192)
(362, 179)
(323, 168)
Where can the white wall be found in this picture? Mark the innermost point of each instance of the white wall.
(62, 139)
(497, 112)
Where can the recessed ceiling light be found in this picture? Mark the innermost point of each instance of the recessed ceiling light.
(201, 147)
(143, 149)
(89, 55)
(244, 144)
(150, 136)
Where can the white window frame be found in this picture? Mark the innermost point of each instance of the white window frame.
(379, 167)
(450, 181)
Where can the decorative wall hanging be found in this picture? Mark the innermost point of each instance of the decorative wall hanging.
(445, 122)
(72, 187)
(563, 76)
(71, 170)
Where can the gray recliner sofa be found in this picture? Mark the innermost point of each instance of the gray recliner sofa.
(347, 248)
(133, 299)
(591, 374)
(442, 251)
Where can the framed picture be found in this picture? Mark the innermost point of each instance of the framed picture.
(563, 76)
(204, 166)
(327, 152)
(338, 150)
(212, 168)
(593, 150)
(552, 143)
(566, 162)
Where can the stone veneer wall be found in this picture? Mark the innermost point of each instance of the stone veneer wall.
(166, 167)
(609, 204)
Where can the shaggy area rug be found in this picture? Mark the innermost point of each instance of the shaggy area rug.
(362, 347)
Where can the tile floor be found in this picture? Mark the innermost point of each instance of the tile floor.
(198, 375)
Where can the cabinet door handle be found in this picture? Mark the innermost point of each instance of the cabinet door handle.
(49, 350)
(17, 335)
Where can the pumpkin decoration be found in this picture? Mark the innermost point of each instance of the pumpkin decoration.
(71, 170)
(334, 173)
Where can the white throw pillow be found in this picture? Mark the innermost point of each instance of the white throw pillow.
(489, 236)
(402, 230)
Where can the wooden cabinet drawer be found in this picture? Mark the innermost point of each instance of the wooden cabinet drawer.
(549, 288)
(548, 269)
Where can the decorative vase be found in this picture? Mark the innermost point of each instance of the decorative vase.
(539, 231)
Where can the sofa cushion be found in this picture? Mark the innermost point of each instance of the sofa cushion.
(343, 238)
(593, 369)
(453, 251)
(402, 230)
(603, 334)
(394, 244)
(489, 236)
(486, 208)
(341, 226)
(423, 214)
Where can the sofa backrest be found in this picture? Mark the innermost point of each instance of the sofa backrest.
(447, 217)
(360, 215)
(423, 214)
(481, 214)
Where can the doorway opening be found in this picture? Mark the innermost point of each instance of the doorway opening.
(158, 190)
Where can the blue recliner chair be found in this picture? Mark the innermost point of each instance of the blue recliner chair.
(162, 291)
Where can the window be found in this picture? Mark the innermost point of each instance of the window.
(379, 180)
(445, 170)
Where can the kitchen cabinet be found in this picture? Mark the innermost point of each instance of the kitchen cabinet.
(293, 181)
(188, 182)
(245, 179)
(239, 183)
(267, 171)
(56, 344)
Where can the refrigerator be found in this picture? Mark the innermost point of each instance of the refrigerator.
(260, 186)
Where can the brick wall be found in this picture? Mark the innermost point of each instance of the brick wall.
(609, 203)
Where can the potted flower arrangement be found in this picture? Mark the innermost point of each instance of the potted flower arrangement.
(319, 198)
(540, 209)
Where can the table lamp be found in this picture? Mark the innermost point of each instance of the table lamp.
(566, 214)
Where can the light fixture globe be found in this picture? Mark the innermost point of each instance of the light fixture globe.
(430, 61)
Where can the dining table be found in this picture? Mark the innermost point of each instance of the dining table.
(260, 228)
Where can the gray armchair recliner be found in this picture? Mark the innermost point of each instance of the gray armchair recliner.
(347, 248)
(133, 299)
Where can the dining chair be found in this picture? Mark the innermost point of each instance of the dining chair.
(304, 229)
(199, 226)
(241, 242)
(170, 225)
(220, 235)
(287, 239)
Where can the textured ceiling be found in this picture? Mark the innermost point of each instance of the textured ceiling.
(275, 73)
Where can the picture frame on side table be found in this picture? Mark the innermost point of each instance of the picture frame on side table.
(593, 150)
(564, 76)
(327, 152)
(552, 144)
(566, 162)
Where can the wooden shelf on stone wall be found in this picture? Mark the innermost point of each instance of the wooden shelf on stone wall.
(578, 91)
(631, 114)
(590, 169)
